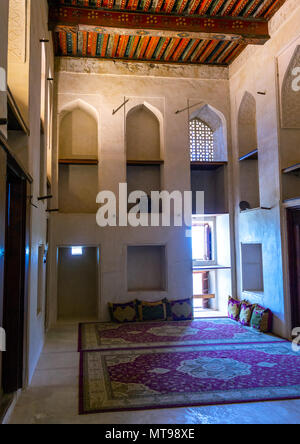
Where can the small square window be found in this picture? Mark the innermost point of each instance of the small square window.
(77, 251)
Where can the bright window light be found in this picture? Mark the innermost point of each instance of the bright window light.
(76, 251)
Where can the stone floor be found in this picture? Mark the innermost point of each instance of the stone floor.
(52, 397)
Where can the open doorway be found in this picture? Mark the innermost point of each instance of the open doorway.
(293, 217)
(78, 283)
(211, 265)
(15, 274)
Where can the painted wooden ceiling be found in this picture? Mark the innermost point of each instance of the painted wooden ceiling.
(167, 31)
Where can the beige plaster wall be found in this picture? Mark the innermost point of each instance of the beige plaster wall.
(256, 71)
(19, 53)
(38, 29)
(164, 90)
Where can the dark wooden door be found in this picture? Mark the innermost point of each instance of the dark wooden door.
(294, 263)
(14, 281)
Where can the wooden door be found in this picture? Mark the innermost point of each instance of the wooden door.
(14, 281)
(294, 263)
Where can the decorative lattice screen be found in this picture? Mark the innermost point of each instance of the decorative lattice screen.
(201, 142)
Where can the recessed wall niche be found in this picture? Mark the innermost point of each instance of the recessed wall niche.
(146, 268)
(290, 130)
(248, 152)
(208, 155)
(252, 267)
(78, 160)
(143, 150)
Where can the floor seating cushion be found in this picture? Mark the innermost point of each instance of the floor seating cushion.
(181, 310)
(246, 313)
(152, 311)
(123, 312)
(234, 308)
(261, 319)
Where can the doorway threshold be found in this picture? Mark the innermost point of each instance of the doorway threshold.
(208, 313)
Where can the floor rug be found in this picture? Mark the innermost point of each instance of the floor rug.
(191, 376)
(113, 336)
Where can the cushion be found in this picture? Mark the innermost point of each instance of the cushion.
(261, 319)
(245, 313)
(123, 312)
(182, 310)
(168, 308)
(234, 308)
(152, 311)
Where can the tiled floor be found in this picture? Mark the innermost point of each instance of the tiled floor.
(52, 397)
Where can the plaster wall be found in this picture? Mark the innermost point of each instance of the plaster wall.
(163, 90)
(37, 29)
(256, 71)
(19, 53)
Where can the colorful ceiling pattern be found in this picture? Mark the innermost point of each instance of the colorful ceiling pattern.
(242, 8)
(122, 36)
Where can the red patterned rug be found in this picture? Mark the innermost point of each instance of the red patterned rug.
(191, 376)
(113, 336)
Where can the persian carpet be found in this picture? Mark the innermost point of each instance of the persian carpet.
(191, 376)
(113, 336)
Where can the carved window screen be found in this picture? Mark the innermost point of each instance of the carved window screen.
(201, 142)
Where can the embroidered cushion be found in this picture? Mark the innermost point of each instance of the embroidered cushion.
(261, 319)
(182, 310)
(152, 311)
(123, 312)
(168, 308)
(234, 308)
(245, 313)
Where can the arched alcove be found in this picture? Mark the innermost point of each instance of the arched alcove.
(290, 95)
(216, 122)
(208, 155)
(290, 131)
(247, 130)
(248, 152)
(144, 149)
(78, 158)
(78, 135)
(143, 134)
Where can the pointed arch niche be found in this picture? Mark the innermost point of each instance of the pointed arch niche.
(78, 158)
(248, 152)
(144, 148)
(208, 155)
(289, 64)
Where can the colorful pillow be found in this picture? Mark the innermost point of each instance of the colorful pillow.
(152, 311)
(123, 312)
(245, 313)
(234, 308)
(168, 308)
(261, 319)
(182, 310)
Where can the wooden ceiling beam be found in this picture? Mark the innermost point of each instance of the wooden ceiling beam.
(241, 30)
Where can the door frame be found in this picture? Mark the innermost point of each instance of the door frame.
(287, 320)
(20, 377)
(291, 265)
(52, 309)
